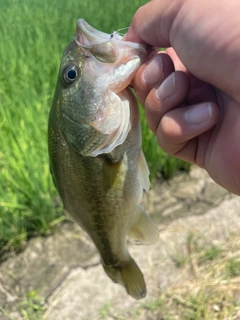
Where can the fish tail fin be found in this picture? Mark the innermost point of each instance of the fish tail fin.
(130, 276)
(144, 230)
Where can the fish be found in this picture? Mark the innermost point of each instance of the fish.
(95, 149)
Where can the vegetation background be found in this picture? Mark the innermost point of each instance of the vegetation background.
(33, 35)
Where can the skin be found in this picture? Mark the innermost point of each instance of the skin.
(191, 91)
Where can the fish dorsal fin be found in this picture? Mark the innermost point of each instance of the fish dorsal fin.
(143, 172)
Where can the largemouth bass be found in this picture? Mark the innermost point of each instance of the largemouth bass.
(96, 158)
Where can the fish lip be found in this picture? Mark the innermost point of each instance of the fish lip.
(86, 36)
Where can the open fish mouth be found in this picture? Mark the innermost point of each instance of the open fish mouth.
(108, 47)
(89, 35)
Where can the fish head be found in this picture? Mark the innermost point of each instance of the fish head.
(95, 62)
(95, 70)
(111, 57)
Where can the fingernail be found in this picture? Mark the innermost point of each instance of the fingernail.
(153, 72)
(167, 88)
(199, 114)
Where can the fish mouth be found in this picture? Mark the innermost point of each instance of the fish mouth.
(87, 35)
(108, 47)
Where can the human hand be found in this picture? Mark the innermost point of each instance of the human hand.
(190, 92)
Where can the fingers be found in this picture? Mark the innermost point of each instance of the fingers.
(200, 91)
(181, 118)
(151, 74)
(170, 94)
(180, 109)
(184, 132)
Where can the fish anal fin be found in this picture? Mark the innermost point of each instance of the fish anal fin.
(130, 276)
(143, 171)
(144, 230)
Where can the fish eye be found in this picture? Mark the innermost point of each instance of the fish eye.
(70, 74)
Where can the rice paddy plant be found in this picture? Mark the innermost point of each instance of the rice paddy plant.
(33, 35)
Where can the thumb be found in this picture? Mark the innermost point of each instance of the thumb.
(152, 23)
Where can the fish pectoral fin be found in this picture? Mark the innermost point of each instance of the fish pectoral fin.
(144, 230)
(143, 172)
(130, 276)
(114, 174)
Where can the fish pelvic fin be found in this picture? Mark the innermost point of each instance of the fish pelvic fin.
(144, 230)
(130, 276)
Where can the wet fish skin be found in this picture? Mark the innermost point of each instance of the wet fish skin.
(98, 169)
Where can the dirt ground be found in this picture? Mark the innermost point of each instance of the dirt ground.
(60, 277)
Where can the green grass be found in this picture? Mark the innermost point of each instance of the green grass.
(33, 35)
(31, 308)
